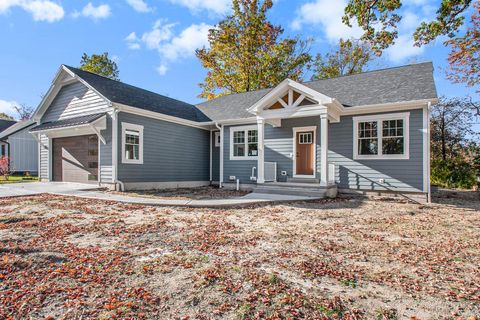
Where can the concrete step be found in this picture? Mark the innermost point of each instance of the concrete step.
(303, 180)
(310, 191)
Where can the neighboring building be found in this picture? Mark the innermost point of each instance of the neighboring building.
(368, 131)
(21, 147)
(4, 124)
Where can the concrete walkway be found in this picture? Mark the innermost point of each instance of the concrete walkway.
(33, 188)
(91, 192)
(247, 200)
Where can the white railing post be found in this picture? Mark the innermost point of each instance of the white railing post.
(324, 150)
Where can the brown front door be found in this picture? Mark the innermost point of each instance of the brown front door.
(75, 159)
(305, 153)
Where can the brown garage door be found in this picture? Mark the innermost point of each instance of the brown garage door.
(75, 159)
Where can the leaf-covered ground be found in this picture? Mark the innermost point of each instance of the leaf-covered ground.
(71, 258)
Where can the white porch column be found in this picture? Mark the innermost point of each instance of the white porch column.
(324, 149)
(261, 151)
(221, 156)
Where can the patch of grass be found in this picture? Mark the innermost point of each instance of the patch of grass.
(349, 282)
(387, 314)
(17, 179)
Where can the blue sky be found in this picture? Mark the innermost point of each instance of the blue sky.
(153, 41)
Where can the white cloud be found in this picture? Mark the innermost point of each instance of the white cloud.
(139, 5)
(162, 69)
(41, 10)
(7, 107)
(94, 12)
(185, 44)
(171, 47)
(213, 6)
(132, 41)
(403, 49)
(328, 15)
(160, 32)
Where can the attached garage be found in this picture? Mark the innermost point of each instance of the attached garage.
(75, 159)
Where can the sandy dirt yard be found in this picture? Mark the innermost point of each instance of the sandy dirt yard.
(71, 258)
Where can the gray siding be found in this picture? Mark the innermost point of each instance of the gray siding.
(23, 151)
(399, 175)
(171, 153)
(75, 100)
(44, 173)
(215, 159)
(241, 169)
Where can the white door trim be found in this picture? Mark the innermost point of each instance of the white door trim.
(304, 129)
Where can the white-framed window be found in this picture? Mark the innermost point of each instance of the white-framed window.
(217, 139)
(132, 143)
(384, 136)
(244, 143)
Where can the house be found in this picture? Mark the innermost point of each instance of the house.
(368, 131)
(4, 124)
(21, 147)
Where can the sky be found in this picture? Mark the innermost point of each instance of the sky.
(154, 41)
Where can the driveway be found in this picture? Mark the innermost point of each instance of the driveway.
(32, 188)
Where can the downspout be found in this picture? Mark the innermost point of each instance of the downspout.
(117, 183)
(220, 127)
(210, 157)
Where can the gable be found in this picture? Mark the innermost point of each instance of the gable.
(74, 100)
(298, 100)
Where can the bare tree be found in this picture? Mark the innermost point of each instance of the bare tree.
(24, 112)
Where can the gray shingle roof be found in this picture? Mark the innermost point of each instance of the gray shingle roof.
(72, 122)
(405, 83)
(123, 93)
(4, 124)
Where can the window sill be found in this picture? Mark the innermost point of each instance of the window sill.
(383, 157)
(243, 158)
(132, 162)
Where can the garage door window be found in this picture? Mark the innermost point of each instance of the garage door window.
(132, 143)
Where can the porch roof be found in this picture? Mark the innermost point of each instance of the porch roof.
(68, 123)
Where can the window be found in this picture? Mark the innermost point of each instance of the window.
(217, 139)
(381, 137)
(305, 138)
(243, 143)
(132, 143)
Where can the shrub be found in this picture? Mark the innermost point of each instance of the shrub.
(4, 167)
(453, 174)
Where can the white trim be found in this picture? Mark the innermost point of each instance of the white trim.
(50, 162)
(386, 107)
(114, 145)
(245, 129)
(165, 185)
(260, 151)
(426, 151)
(135, 127)
(324, 167)
(405, 116)
(304, 129)
(164, 117)
(222, 147)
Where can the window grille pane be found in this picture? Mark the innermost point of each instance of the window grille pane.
(367, 146)
(392, 145)
(239, 137)
(239, 150)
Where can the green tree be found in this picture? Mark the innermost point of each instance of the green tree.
(349, 57)
(379, 20)
(5, 116)
(100, 64)
(247, 53)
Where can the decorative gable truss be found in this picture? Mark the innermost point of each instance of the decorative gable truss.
(291, 99)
